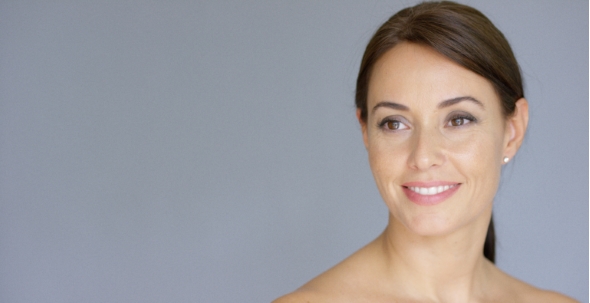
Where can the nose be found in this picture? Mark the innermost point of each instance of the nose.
(426, 150)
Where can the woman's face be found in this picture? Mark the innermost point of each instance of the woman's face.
(436, 139)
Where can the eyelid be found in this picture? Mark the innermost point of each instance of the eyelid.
(393, 118)
(460, 115)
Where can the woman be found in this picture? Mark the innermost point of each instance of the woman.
(441, 107)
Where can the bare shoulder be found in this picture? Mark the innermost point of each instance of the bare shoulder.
(330, 286)
(541, 296)
(341, 283)
(301, 296)
(528, 293)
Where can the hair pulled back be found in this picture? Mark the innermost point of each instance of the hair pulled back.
(460, 33)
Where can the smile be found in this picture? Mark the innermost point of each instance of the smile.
(429, 191)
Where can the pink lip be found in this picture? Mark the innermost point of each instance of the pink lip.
(426, 200)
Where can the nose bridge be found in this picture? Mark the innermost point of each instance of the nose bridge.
(426, 148)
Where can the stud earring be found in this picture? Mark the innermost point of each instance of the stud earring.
(506, 159)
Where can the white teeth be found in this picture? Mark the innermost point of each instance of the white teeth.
(429, 191)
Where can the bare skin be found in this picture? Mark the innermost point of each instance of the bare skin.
(363, 277)
(431, 123)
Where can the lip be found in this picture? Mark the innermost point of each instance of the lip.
(428, 200)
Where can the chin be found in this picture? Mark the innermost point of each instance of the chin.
(440, 223)
(430, 226)
(425, 224)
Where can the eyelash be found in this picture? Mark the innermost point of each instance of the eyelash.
(464, 117)
(384, 122)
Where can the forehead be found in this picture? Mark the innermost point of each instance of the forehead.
(413, 74)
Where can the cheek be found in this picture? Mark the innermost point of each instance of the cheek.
(382, 163)
(387, 158)
(478, 159)
(477, 151)
(480, 148)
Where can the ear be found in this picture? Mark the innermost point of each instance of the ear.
(516, 128)
(363, 128)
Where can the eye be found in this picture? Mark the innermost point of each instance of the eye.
(460, 120)
(391, 124)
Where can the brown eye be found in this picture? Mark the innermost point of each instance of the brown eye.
(458, 121)
(392, 125)
(461, 120)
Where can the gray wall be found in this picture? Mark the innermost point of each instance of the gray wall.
(208, 152)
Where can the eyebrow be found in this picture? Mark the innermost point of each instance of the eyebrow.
(391, 105)
(443, 104)
(450, 102)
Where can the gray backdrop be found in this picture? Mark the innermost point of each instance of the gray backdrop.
(180, 151)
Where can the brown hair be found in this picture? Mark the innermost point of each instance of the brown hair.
(460, 33)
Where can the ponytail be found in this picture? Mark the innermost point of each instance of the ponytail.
(489, 247)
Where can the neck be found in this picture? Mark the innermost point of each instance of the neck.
(445, 268)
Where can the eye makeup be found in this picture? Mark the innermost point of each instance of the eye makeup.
(393, 123)
(460, 118)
